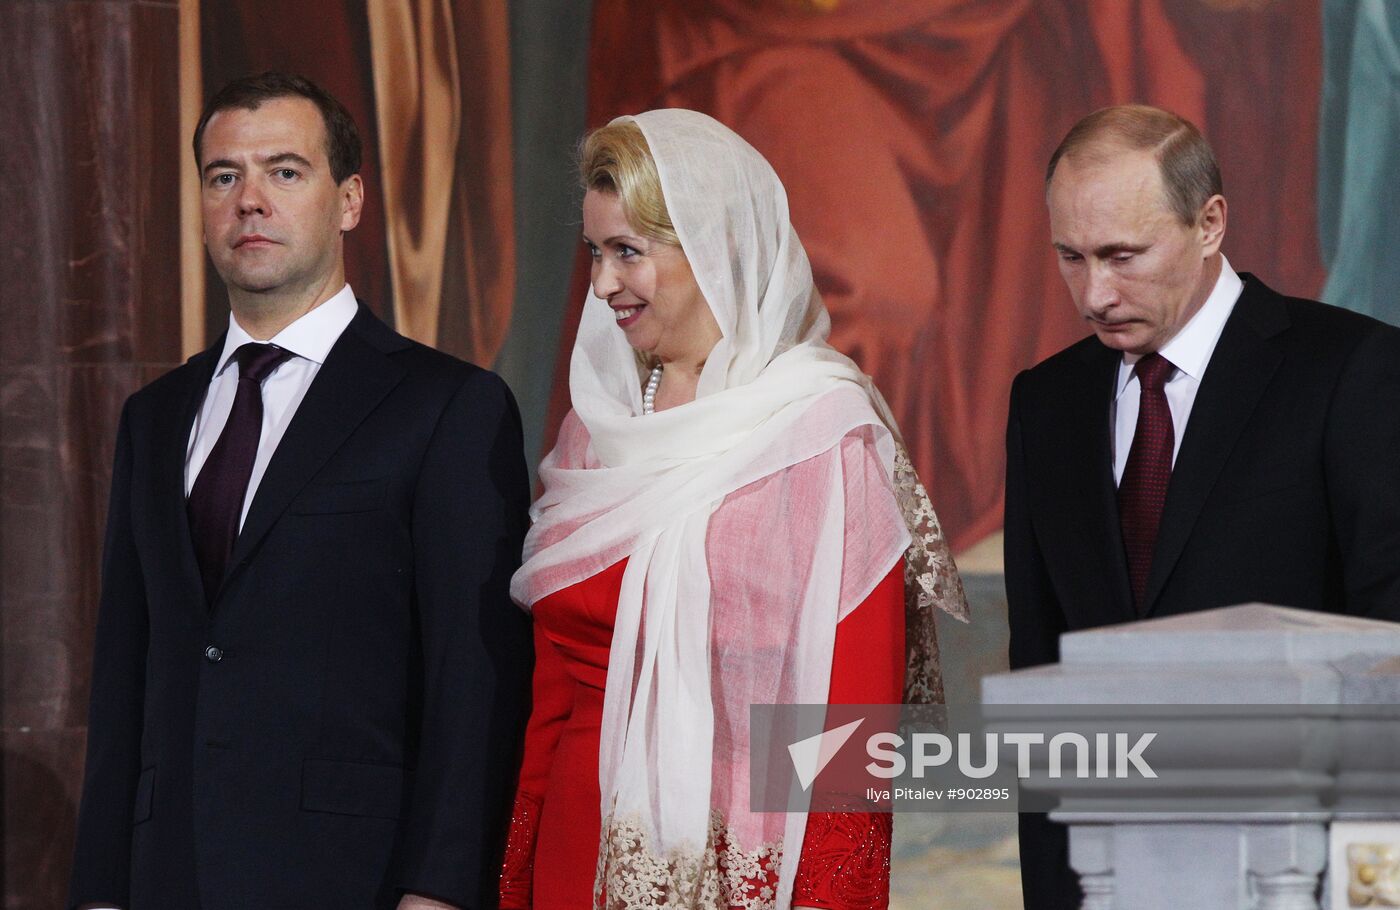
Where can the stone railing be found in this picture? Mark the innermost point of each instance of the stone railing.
(1274, 725)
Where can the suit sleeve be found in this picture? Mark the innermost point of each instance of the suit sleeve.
(102, 858)
(1036, 620)
(469, 519)
(1363, 474)
(1033, 612)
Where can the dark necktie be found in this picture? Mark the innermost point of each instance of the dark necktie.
(1143, 489)
(216, 499)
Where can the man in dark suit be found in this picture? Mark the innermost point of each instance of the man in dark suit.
(309, 681)
(1213, 443)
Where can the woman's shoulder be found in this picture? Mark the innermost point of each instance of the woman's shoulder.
(572, 443)
(571, 427)
(858, 447)
(848, 417)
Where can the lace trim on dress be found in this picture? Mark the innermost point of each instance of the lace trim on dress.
(931, 583)
(518, 867)
(720, 876)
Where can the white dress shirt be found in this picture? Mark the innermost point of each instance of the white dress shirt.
(1189, 351)
(309, 339)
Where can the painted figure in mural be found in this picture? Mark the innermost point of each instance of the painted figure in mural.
(1212, 443)
(1358, 181)
(912, 135)
(309, 678)
(728, 518)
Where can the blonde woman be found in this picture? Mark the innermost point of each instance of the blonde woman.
(726, 520)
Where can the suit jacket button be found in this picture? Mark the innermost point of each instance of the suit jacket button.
(213, 654)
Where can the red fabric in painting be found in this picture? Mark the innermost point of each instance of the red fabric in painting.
(912, 138)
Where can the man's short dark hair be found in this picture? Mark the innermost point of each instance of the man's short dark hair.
(1190, 174)
(249, 92)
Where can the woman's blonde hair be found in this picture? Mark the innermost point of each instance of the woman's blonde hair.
(616, 159)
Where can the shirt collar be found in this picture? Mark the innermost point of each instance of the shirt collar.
(1189, 350)
(311, 336)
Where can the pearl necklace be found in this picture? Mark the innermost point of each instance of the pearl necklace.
(649, 396)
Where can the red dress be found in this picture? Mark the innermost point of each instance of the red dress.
(552, 850)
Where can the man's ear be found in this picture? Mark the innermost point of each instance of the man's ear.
(1211, 224)
(352, 199)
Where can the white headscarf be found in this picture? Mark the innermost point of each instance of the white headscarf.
(687, 661)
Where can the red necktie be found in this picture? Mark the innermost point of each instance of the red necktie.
(216, 499)
(1143, 489)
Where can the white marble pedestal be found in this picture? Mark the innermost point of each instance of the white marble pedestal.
(1244, 822)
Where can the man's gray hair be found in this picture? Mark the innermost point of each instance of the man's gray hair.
(1190, 175)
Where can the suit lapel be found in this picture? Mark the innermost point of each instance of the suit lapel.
(1090, 437)
(1239, 371)
(353, 380)
(172, 431)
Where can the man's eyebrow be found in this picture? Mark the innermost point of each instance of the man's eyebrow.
(279, 158)
(1104, 251)
(1109, 249)
(288, 158)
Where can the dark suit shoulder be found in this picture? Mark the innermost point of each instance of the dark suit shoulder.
(1336, 323)
(1067, 366)
(435, 368)
(172, 389)
(432, 363)
(1317, 329)
(1088, 349)
(426, 367)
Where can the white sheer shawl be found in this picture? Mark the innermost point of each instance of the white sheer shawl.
(687, 661)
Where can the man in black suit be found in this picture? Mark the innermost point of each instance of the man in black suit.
(309, 681)
(1213, 443)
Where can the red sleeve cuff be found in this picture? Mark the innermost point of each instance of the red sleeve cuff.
(518, 869)
(845, 862)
